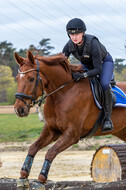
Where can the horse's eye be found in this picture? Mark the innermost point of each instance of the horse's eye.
(31, 79)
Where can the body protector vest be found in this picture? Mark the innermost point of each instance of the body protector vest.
(86, 56)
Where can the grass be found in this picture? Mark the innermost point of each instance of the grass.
(103, 137)
(4, 104)
(15, 129)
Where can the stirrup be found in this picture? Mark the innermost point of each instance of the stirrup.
(106, 128)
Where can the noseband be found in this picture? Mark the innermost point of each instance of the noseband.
(22, 96)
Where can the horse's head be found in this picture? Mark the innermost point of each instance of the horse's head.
(29, 84)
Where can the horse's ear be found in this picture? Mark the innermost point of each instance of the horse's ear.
(18, 59)
(30, 57)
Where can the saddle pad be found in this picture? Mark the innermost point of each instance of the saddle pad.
(120, 97)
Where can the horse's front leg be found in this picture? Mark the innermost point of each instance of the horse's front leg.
(64, 141)
(45, 138)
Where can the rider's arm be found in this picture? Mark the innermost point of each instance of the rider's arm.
(66, 50)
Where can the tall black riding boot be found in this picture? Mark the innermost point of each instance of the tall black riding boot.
(107, 123)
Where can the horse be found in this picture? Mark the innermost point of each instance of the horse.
(69, 108)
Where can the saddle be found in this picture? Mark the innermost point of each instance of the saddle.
(98, 92)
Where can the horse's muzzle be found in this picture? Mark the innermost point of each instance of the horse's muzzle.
(21, 111)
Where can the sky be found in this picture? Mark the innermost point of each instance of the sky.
(27, 22)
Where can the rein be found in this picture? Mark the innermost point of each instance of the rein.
(22, 96)
(43, 98)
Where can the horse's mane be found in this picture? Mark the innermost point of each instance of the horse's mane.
(60, 59)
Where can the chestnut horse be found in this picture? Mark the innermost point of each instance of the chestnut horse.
(69, 111)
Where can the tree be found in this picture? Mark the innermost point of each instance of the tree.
(44, 47)
(7, 53)
(22, 52)
(11, 91)
(124, 75)
(7, 56)
(119, 65)
(121, 76)
(6, 81)
(33, 49)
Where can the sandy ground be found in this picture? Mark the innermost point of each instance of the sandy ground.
(69, 165)
(10, 110)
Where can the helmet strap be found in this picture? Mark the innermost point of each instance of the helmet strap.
(81, 42)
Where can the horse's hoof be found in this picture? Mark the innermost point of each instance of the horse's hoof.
(38, 186)
(22, 184)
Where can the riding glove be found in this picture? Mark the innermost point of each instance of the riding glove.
(77, 76)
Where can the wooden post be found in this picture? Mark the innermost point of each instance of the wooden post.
(109, 163)
(11, 184)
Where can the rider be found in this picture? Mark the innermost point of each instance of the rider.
(95, 59)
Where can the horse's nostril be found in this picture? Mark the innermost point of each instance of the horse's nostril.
(21, 111)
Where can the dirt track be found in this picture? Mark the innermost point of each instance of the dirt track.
(10, 110)
(69, 165)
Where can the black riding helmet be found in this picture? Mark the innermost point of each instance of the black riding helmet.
(75, 26)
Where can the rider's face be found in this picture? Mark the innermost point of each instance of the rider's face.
(77, 38)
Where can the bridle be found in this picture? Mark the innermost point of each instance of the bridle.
(23, 96)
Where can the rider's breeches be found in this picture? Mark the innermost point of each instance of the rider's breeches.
(107, 72)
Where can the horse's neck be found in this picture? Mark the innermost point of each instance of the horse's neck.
(56, 76)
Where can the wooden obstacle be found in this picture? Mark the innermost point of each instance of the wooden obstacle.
(10, 184)
(109, 163)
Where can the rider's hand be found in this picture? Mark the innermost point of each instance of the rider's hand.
(77, 76)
